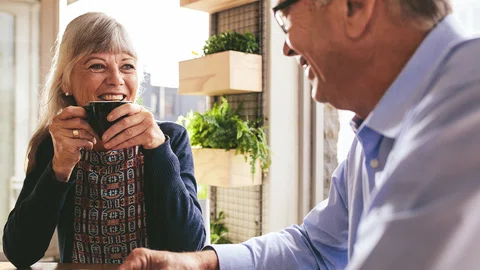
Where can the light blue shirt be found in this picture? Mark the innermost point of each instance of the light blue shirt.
(408, 194)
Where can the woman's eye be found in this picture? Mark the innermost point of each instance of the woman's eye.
(97, 67)
(128, 67)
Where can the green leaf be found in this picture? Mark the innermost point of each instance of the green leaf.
(231, 41)
(218, 230)
(222, 127)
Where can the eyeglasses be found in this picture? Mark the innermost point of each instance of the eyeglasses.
(280, 16)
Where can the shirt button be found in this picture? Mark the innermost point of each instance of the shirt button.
(374, 163)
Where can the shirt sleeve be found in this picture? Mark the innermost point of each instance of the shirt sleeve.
(320, 242)
(423, 215)
(175, 221)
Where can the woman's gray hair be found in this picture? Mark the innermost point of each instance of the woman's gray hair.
(92, 32)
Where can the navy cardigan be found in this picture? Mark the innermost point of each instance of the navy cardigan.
(174, 217)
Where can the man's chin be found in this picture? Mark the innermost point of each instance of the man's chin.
(317, 93)
(319, 98)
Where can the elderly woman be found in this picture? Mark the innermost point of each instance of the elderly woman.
(134, 187)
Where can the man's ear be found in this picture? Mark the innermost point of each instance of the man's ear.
(357, 16)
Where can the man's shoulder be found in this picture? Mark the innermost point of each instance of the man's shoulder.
(438, 145)
(460, 66)
(446, 120)
(455, 90)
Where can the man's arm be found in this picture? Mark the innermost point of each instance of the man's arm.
(320, 242)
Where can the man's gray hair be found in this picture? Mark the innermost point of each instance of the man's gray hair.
(422, 13)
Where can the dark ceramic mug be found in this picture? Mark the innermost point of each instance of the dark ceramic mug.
(98, 111)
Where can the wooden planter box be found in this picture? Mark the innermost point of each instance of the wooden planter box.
(217, 167)
(221, 73)
(213, 6)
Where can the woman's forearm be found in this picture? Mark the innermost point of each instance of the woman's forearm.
(32, 222)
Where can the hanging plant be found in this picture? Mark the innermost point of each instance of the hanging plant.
(231, 41)
(222, 127)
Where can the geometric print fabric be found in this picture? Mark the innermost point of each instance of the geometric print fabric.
(109, 206)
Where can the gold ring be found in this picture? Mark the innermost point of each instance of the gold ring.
(76, 134)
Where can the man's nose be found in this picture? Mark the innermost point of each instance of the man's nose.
(115, 77)
(287, 51)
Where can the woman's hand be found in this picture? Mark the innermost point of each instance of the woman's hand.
(70, 133)
(137, 127)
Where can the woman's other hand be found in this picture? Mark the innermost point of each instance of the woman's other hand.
(137, 127)
(70, 133)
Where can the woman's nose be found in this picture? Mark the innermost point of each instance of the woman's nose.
(287, 51)
(115, 77)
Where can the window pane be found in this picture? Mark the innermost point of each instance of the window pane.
(7, 102)
(467, 12)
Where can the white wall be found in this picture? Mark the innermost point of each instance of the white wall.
(467, 12)
(281, 107)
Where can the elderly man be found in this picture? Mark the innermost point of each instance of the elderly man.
(407, 195)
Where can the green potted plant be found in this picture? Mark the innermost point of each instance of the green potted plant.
(231, 41)
(228, 151)
(219, 230)
(230, 64)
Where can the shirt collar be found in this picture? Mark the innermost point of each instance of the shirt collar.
(412, 82)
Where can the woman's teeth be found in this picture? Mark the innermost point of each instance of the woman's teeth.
(111, 97)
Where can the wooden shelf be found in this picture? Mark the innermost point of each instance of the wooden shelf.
(221, 73)
(213, 6)
(217, 167)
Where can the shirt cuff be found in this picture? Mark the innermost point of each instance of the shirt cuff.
(233, 256)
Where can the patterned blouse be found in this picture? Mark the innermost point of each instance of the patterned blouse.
(109, 209)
